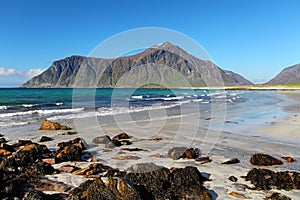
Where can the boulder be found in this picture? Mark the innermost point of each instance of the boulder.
(183, 152)
(68, 168)
(68, 153)
(3, 140)
(101, 139)
(78, 141)
(233, 178)
(128, 157)
(264, 160)
(277, 196)
(110, 188)
(264, 179)
(112, 144)
(288, 159)
(203, 160)
(231, 161)
(121, 136)
(21, 143)
(45, 139)
(92, 169)
(7, 147)
(49, 125)
(143, 167)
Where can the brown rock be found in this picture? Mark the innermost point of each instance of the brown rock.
(264, 160)
(237, 195)
(92, 169)
(21, 143)
(125, 157)
(157, 155)
(48, 125)
(68, 153)
(121, 136)
(183, 152)
(288, 159)
(68, 168)
(101, 140)
(50, 161)
(231, 161)
(4, 152)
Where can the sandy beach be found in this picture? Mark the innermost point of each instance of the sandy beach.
(277, 136)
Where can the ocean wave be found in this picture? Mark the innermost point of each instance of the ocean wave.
(28, 105)
(7, 124)
(59, 104)
(3, 107)
(40, 112)
(137, 97)
(172, 98)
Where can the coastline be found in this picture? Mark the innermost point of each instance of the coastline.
(228, 145)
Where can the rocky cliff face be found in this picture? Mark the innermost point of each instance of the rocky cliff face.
(166, 65)
(288, 75)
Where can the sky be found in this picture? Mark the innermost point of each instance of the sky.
(255, 38)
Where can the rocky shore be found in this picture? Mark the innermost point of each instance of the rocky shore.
(26, 166)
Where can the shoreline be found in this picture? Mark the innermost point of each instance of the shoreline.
(228, 145)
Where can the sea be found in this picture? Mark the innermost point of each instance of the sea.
(27, 107)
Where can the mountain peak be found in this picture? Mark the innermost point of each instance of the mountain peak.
(168, 46)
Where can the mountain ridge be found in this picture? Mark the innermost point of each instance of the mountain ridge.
(163, 64)
(288, 75)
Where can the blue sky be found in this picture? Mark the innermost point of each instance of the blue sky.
(255, 38)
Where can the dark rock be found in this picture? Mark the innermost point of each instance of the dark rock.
(233, 178)
(48, 125)
(278, 196)
(203, 160)
(72, 133)
(157, 182)
(34, 194)
(78, 141)
(3, 140)
(25, 156)
(38, 195)
(21, 143)
(101, 140)
(45, 139)
(68, 153)
(288, 159)
(264, 160)
(151, 184)
(264, 179)
(112, 144)
(231, 161)
(183, 152)
(132, 149)
(121, 136)
(7, 147)
(44, 184)
(39, 168)
(110, 188)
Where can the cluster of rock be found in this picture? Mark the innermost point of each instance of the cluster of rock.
(24, 164)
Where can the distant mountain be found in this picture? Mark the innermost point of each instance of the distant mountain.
(164, 64)
(288, 75)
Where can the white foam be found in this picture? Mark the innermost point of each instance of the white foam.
(3, 107)
(172, 98)
(59, 104)
(136, 97)
(41, 112)
(28, 105)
